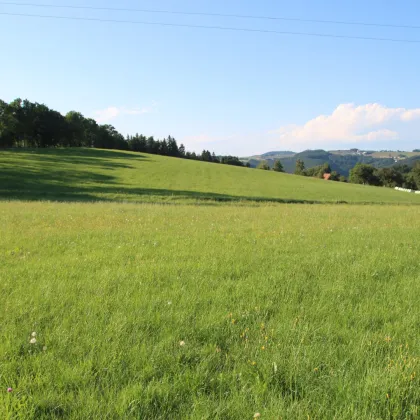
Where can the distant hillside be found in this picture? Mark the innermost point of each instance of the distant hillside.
(339, 161)
(410, 161)
(396, 155)
(279, 154)
(268, 156)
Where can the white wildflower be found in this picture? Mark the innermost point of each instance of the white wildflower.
(32, 340)
(182, 343)
(33, 334)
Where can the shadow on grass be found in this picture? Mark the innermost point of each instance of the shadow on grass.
(64, 185)
(48, 176)
(78, 156)
(48, 191)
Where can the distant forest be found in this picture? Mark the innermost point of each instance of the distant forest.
(30, 124)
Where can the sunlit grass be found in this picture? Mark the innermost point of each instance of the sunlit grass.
(149, 311)
(92, 175)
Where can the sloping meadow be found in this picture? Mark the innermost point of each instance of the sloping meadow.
(89, 175)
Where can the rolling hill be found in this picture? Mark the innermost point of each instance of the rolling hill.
(106, 175)
(278, 154)
(340, 162)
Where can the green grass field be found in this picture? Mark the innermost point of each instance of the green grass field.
(92, 175)
(183, 311)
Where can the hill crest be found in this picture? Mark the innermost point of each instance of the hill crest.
(78, 174)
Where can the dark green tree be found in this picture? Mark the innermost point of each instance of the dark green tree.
(8, 125)
(214, 158)
(76, 129)
(163, 148)
(416, 175)
(173, 149)
(231, 160)
(335, 176)
(364, 174)
(206, 156)
(152, 146)
(390, 177)
(300, 167)
(278, 167)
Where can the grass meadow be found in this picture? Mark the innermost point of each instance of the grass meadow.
(106, 175)
(155, 311)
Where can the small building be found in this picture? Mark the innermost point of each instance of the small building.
(327, 176)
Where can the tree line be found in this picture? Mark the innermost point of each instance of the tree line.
(400, 175)
(316, 171)
(30, 124)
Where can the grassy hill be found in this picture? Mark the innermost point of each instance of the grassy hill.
(117, 310)
(92, 175)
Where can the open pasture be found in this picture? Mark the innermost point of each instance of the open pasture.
(179, 311)
(108, 175)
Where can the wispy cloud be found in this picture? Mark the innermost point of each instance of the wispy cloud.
(206, 139)
(347, 124)
(108, 114)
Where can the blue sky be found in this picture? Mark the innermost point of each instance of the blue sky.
(231, 92)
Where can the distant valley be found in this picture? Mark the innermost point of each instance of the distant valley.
(339, 160)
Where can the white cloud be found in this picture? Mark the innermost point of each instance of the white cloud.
(205, 139)
(108, 114)
(347, 124)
